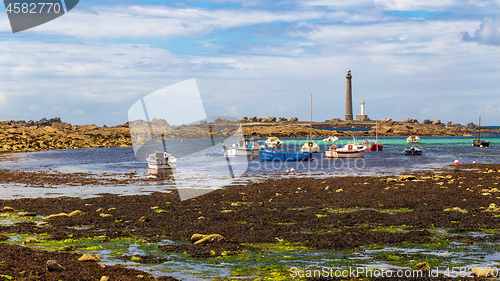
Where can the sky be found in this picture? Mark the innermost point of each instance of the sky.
(422, 59)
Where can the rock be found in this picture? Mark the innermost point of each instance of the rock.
(26, 214)
(65, 248)
(456, 209)
(391, 180)
(339, 190)
(423, 266)
(75, 213)
(104, 278)
(471, 125)
(269, 119)
(385, 120)
(143, 219)
(335, 120)
(410, 121)
(8, 209)
(282, 119)
(57, 215)
(105, 215)
(484, 272)
(87, 257)
(294, 119)
(449, 123)
(207, 239)
(42, 223)
(407, 178)
(437, 122)
(53, 265)
(31, 240)
(4, 215)
(99, 210)
(244, 119)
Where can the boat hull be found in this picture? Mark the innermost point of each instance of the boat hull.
(241, 152)
(375, 147)
(156, 166)
(344, 154)
(414, 151)
(284, 156)
(480, 143)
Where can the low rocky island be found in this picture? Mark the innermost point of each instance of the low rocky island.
(46, 134)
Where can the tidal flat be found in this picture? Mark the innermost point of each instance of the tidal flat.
(272, 229)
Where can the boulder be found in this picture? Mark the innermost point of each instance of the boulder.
(386, 120)
(206, 239)
(8, 209)
(294, 119)
(449, 123)
(244, 119)
(423, 266)
(269, 119)
(437, 122)
(335, 120)
(471, 125)
(282, 119)
(426, 122)
(53, 265)
(87, 257)
(31, 240)
(410, 121)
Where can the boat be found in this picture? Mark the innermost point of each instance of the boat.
(284, 156)
(274, 142)
(161, 160)
(331, 139)
(412, 150)
(350, 150)
(478, 141)
(374, 145)
(244, 147)
(413, 139)
(310, 146)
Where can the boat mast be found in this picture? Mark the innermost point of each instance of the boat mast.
(479, 127)
(310, 130)
(376, 131)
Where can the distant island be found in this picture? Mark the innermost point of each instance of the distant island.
(46, 134)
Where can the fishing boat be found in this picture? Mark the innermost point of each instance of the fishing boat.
(412, 150)
(374, 144)
(161, 160)
(350, 150)
(478, 141)
(274, 142)
(244, 147)
(284, 156)
(310, 146)
(331, 139)
(413, 139)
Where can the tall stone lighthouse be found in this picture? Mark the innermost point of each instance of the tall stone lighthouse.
(348, 97)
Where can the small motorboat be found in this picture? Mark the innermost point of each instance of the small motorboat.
(413, 139)
(284, 156)
(373, 145)
(309, 146)
(161, 160)
(331, 139)
(348, 151)
(412, 150)
(244, 147)
(274, 142)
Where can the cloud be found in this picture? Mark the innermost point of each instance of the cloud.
(488, 32)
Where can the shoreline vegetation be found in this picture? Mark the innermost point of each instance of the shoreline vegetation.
(21, 136)
(259, 226)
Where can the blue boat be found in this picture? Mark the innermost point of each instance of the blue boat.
(414, 150)
(284, 156)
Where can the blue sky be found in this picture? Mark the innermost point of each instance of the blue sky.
(418, 59)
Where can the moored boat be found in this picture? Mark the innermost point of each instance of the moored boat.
(244, 147)
(274, 142)
(347, 151)
(413, 139)
(478, 141)
(284, 156)
(373, 145)
(161, 160)
(309, 146)
(412, 150)
(331, 139)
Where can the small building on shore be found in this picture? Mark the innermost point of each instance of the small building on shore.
(362, 116)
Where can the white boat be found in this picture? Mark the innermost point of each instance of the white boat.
(243, 148)
(331, 139)
(413, 139)
(350, 150)
(273, 142)
(310, 146)
(161, 160)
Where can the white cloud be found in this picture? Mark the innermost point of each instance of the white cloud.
(488, 32)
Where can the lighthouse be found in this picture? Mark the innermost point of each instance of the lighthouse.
(348, 97)
(362, 116)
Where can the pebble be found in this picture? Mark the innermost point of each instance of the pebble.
(8, 209)
(105, 215)
(104, 278)
(31, 240)
(75, 213)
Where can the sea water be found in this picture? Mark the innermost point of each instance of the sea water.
(196, 170)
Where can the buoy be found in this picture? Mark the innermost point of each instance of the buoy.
(456, 162)
(292, 170)
(473, 162)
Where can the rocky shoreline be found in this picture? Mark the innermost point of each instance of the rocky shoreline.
(346, 214)
(21, 136)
